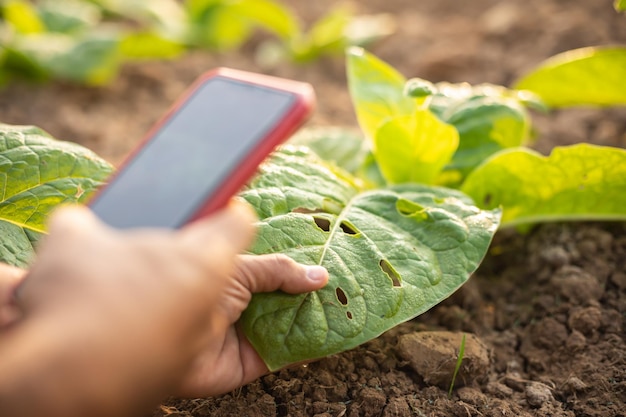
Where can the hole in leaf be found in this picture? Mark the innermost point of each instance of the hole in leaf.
(391, 273)
(341, 296)
(348, 228)
(349, 315)
(322, 223)
(411, 209)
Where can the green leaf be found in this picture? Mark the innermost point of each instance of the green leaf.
(269, 15)
(620, 5)
(93, 59)
(489, 118)
(377, 91)
(219, 27)
(391, 253)
(587, 76)
(347, 148)
(326, 36)
(414, 148)
(419, 88)
(580, 182)
(37, 173)
(22, 16)
(149, 45)
(69, 16)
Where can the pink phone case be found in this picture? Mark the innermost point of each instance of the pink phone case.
(296, 115)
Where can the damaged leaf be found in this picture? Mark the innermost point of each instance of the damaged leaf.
(392, 253)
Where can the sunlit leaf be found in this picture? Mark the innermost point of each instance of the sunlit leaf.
(149, 45)
(347, 148)
(588, 76)
(22, 16)
(270, 15)
(573, 183)
(391, 253)
(414, 148)
(38, 173)
(69, 16)
(377, 91)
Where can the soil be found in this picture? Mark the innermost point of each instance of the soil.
(545, 314)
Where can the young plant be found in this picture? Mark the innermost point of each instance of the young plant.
(457, 367)
(392, 252)
(370, 208)
(488, 162)
(87, 41)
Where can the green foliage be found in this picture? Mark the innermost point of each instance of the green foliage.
(87, 41)
(414, 148)
(409, 124)
(587, 76)
(39, 173)
(417, 146)
(575, 182)
(392, 253)
(377, 91)
(620, 5)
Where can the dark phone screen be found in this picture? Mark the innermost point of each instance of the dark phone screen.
(197, 148)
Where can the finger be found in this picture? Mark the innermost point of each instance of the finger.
(73, 219)
(64, 226)
(266, 273)
(231, 226)
(10, 277)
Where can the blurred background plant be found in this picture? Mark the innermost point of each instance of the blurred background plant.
(86, 41)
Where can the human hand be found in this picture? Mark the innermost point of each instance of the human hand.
(134, 316)
(10, 277)
(229, 360)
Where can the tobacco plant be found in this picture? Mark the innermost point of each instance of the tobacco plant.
(400, 212)
(87, 41)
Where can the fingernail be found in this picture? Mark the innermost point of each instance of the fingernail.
(316, 273)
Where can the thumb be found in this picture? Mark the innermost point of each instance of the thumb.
(267, 273)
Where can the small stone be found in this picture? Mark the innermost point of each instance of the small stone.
(537, 394)
(433, 355)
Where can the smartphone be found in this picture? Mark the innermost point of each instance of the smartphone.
(204, 150)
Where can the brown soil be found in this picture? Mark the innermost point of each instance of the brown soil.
(544, 315)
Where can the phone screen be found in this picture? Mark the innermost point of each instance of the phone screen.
(191, 155)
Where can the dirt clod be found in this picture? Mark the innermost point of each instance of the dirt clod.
(586, 320)
(433, 355)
